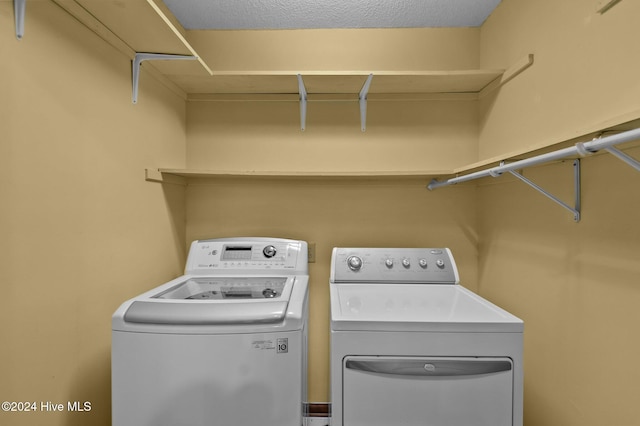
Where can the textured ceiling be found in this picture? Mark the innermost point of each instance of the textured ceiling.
(294, 14)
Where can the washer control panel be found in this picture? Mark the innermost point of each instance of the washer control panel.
(394, 265)
(246, 254)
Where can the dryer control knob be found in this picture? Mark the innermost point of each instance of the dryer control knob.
(423, 263)
(440, 263)
(406, 262)
(269, 251)
(389, 263)
(354, 263)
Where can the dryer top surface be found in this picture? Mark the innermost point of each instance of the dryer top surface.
(411, 307)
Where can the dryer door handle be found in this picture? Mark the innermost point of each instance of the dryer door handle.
(429, 367)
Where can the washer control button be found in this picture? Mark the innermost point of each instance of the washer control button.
(440, 263)
(389, 263)
(354, 263)
(423, 263)
(406, 262)
(269, 251)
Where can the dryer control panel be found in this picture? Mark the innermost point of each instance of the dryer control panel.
(242, 255)
(394, 265)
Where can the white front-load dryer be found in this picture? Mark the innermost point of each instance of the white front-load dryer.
(225, 344)
(412, 347)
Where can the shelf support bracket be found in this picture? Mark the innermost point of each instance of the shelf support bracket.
(624, 157)
(604, 5)
(576, 190)
(19, 9)
(303, 103)
(140, 57)
(362, 99)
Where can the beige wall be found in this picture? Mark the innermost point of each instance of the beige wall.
(584, 76)
(81, 229)
(73, 150)
(435, 132)
(575, 286)
(266, 136)
(422, 49)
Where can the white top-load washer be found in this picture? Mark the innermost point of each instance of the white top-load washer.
(224, 344)
(410, 346)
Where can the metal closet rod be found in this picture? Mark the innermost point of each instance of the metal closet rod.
(582, 149)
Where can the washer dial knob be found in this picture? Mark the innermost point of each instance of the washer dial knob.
(440, 263)
(354, 263)
(269, 251)
(423, 263)
(269, 293)
(389, 263)
(406, 262)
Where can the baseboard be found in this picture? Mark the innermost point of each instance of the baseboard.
(317, 414)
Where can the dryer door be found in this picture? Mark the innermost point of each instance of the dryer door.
(432, 391)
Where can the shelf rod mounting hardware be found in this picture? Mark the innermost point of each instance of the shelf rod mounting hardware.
(19, 9)
(362, 99)
(624, 157)
(140, 57)
(303, 103)
(604, 5)
(576, 190)
(581, 149)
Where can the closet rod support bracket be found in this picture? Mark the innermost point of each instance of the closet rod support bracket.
(624, 157)
(576, 190)
(140, 57)
(19, 9)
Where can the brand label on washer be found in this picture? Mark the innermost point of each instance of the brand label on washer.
(263, 344)
(283, 345)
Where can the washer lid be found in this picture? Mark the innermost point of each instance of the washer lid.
(411, 307)
(215, 300)
(228, 288)
(204, 312)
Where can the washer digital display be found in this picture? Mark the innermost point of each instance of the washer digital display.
(237, 253)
